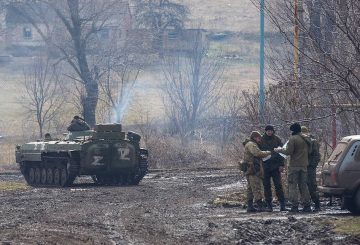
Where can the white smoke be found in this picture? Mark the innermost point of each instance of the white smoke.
(124, 99)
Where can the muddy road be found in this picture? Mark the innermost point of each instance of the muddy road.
(166, 208)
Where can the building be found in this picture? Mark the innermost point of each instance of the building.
(184, 41)
(21, 36)
(22, 25)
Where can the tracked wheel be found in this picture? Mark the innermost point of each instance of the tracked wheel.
(50, 176)
(97, 179)
(37, 176)
(63, 177)
(57, 176)
(43, 176)
(94, 178)
(31, 176)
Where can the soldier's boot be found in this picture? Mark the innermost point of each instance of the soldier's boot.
(282, 206)
(259, 206)
(307, 208)
(268, 207)
(294, 209)
(250, 207)
(317, 206)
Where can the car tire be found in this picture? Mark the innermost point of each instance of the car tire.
(356, 202)
(353, 204)
(349, 204)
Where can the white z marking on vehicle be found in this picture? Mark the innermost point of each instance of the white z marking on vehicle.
(97, 160)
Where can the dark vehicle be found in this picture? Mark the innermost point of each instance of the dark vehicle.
(341, 173)
(110, 156)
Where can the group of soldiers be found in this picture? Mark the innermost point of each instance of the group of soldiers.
(264, 160)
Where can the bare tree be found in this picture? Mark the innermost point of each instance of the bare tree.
(330, 56)
(328, 84)
(72, 27)
(192, 85)
(42, 96)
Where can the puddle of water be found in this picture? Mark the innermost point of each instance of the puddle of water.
(243, 215)
(339, 238)
(236, 185)
(164, 177)
(78, 189)
(215, 176)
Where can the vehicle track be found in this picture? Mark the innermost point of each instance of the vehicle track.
(168, 207)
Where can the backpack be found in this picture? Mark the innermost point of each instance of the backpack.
(313, 151)
(309, 142)
(314, 156)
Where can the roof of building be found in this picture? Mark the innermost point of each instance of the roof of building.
(19, 13)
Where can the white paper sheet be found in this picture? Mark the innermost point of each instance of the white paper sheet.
(266, 158)
(284, 147)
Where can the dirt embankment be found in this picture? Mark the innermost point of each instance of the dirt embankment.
(166, 208)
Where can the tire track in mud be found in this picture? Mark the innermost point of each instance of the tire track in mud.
(168, 207)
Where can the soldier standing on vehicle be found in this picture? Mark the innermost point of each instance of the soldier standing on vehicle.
(272, 168)
(78, 124)
(297, 148)
(254, 172)
(47, 137)
(314, 159)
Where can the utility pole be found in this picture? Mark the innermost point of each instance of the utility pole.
(262, 61)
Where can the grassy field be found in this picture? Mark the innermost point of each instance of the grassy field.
(12, 186)
(223, 15)
(349, 226)
(239, 17)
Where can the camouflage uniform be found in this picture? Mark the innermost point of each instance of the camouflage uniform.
(297, 148)
(254, 188)
(314, 159)
(78, 124)
(254, 173)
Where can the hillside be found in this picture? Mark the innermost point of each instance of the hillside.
(223, 15)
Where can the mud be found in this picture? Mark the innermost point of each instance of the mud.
(166, 208)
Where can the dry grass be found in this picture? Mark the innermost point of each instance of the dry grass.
(349, 226)
(12, 186)
(9, 91)
(236, 199)
(7, 156)
(231, 15)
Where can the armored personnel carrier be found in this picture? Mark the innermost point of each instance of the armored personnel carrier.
(109, 155)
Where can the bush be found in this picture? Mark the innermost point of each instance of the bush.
(169, 152)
